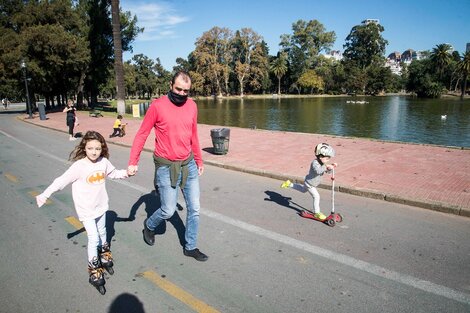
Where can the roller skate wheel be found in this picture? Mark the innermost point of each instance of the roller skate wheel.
(101, 289)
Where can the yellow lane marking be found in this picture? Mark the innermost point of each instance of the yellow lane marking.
(35, 193)
(179, 293)
(74, 222)
(11, 177)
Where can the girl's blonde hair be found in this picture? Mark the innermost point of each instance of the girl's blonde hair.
(79, 151)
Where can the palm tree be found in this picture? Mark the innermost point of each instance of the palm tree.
(441, 57)
(118, 66)
(464, 68)
(279, 68)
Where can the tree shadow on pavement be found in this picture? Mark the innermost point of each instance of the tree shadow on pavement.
(284, 201)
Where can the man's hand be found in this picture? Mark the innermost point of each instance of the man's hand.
(200, 170)
(132, 170)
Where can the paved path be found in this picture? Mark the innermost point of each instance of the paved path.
(426, 176)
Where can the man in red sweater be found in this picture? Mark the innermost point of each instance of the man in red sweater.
(177, 157)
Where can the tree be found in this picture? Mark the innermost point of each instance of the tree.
(364, 47)
(246, 45)
(379, 79)
(47, 37)
(100, 37)
(441, 58)
(130, 77)
(311, 80)
(421, 79)
(464, 68)
(118, 66)
(365, 44)
(101, 49)
(162, 78)
(279, 68)
(305, 44)
(181, 65)
(209, 56)
(146, 77)
(259, 69)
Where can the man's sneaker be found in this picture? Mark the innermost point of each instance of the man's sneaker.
(149, 235)
(320, 216)
(195, 253)
(286, 184)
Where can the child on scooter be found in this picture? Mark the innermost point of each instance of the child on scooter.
(319, 166)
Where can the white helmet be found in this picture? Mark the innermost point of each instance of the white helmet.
(324, 149)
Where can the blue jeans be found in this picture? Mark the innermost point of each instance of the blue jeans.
(169, 199)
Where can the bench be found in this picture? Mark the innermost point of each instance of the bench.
(96, 112)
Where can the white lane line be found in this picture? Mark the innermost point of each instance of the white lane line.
(337, 257)
(34, 148)
(346, 260)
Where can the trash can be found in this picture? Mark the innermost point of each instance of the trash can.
(220, 139)
(42, 111)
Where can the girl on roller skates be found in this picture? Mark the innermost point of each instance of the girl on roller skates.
(319, 166)
(87, 175)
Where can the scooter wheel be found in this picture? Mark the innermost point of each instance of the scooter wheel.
(331, 222)
(338, 218)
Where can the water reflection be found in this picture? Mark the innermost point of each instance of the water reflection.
(394, 118)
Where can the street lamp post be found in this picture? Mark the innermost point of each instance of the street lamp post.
(28, 104)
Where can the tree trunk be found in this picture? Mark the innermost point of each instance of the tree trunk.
(464, 87)
(241, 87)
(279, 85)
(81, 83)
(118, 67)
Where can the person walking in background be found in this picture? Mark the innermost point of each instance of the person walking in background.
(87, 175)
(177, 157)
(117, 127)
(70, 118)
(319, 166)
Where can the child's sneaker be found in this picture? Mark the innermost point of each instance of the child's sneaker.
(320, 216)
(286, 184)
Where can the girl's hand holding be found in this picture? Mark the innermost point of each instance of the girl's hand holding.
(329, 167)
(132, 170)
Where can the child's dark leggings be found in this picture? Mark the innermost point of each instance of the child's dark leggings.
(116, 132)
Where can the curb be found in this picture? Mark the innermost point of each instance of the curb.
(372, 194)
(430, 205)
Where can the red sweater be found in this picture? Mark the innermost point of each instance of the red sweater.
(175, 131)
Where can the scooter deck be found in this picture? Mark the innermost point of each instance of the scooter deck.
(330, 220)
(310, 215)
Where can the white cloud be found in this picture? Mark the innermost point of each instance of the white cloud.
(159, 20)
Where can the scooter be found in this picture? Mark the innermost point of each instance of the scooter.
(331, 219)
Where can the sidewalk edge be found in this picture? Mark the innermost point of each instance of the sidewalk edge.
(434, 206)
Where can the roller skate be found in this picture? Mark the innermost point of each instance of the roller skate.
(106, 258)
(96, 275)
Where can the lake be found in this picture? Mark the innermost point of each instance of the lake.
(444, 121)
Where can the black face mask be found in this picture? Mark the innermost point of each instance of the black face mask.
(177, 99)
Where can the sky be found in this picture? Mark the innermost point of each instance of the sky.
(172, 27)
